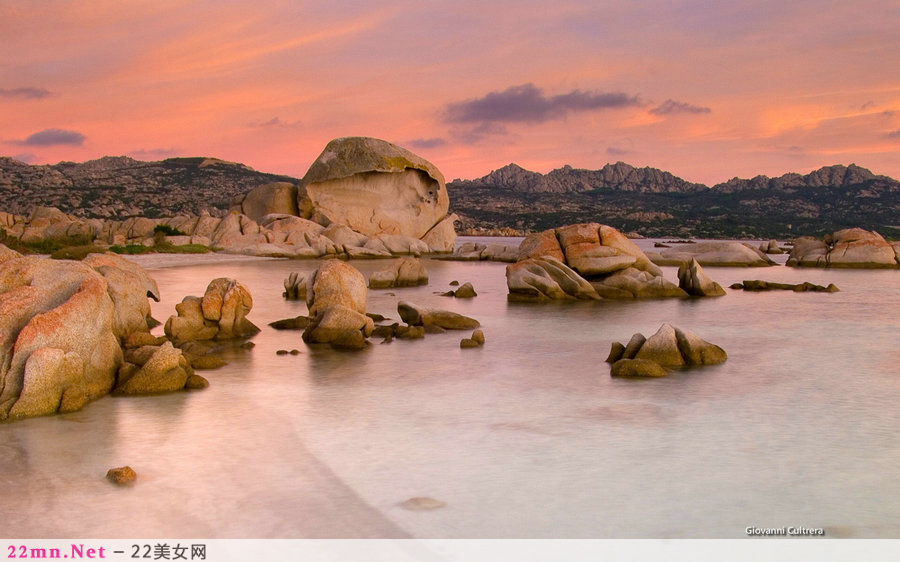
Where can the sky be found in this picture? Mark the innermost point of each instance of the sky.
(705, 90)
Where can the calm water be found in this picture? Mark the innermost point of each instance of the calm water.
(526, 437)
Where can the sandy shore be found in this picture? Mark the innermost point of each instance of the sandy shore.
(159, 261)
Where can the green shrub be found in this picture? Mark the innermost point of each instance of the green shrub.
(76, 252)
(168, 230)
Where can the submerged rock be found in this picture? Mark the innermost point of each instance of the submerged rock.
(757, 285)
(416, 315)
(122, 475)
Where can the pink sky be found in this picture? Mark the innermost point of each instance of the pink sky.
(703, 90)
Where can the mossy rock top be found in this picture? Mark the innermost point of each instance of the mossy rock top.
(347, 156)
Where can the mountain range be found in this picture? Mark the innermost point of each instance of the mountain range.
(649, 201)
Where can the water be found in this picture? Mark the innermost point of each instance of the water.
(526, 437)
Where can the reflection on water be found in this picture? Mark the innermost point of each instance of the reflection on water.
(526, 437)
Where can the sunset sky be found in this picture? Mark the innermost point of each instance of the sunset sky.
(705, 90)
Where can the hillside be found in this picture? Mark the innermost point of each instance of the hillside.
(120, 187)
(656, 203)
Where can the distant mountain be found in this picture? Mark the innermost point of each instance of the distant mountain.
(120, 187)
(656, 203)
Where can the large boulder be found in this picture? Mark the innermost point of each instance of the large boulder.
(715, 253)
(376, 187)
(276, 197)
(129, 286)
(416, 315)
(851, 247)
(669, 347)
(336, 298)
(545, 278)
(58, 346)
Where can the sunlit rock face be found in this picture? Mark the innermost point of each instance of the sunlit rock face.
(375, 187)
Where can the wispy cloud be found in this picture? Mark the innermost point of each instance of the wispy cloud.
(616, 151)
(147, 153)
(276, 122)
(894, 134)
(427, 143)
(671, 106)
(28, 93)
(52, 137)
(27, 157)
(528, 104)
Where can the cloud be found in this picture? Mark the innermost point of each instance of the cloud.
(528, 104)
(50, 137)
(894, 134)
(474, 135)
(671, 106)
(427, 143)
(615, 151)
(276, 122)
(28, 93)
(145, 153)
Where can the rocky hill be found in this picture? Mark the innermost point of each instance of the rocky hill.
(120, 187)
(656, 203)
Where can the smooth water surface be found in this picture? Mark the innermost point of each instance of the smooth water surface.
(528, 436)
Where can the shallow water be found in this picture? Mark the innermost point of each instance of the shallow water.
(526, 437)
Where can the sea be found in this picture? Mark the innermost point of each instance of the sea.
(526, 437)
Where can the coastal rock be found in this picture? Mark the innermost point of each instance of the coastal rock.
(669, 347)
(166, 370)
(543, 244)
(275, 197)
(637, 368)
(416, 315)
(58, 346)
(336, 297)
(852, 248)
(129, 285)
(465, 291)
(295, 286)
(406, 272)
(343, 235)
(758, 285)
(122, 475)
(632, 283)
(220, 314)
(716, 253)
(442, 236)
(545, 278)
(376, 187)
(694, 281)
(770, 247)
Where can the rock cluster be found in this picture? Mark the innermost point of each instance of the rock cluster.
(584, 261)
(336, 298)
(220, 314)
(476, 251)
(770, 247)
(668, 348)
(62, 328)
(852, 247)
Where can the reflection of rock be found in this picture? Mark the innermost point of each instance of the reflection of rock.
(584, 261)
(669, 347)
(406, 272)
(416, 315)
(376, 187)
(336, 298)
(852, 247)
(220, 314)
(694, 281)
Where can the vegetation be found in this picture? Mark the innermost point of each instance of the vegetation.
(164, 248)
(168, 230)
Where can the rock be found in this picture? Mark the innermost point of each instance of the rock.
(693, 281)
(406, 272)
(668, 347)
(294, 286)
(770, 247)
(465, 291)
(758, 285)
(376, 187)
(637, 368)
(196, 382)
(633, 283)
(336, 298)
(478, 337)
(422, 504)
(343, 235)
(63, 308)
(616, 352)
(139, 339)
(541, 245)
(545, 278)
(220, 314)
(415, 315)
(122, 476)
(500, 252)
(716, 253)
(808, 252)
(206, 362)
(166, 370)
(467, 343)
(442, 236)
(409, 332)
(129, 286)
(852, 247)
(276, 197)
